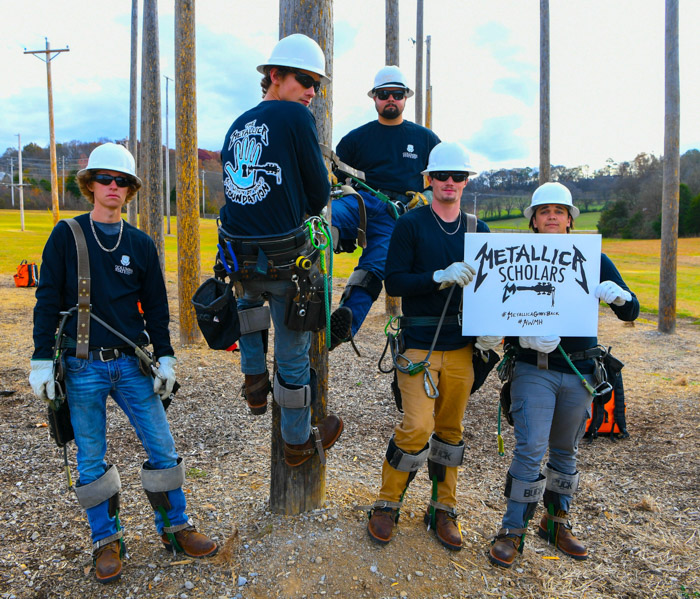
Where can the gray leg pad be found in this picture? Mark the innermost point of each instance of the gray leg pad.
(524, 492)
(403, 461)
(444, 453)
(564, 484)
(254, 319)
(99, 490)
(291, 398)
(168, 479)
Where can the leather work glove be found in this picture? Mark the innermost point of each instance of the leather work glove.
(487, 342)
(165, 376)
(546, 344)
(41, 379)
(611, 293)
(457, 273)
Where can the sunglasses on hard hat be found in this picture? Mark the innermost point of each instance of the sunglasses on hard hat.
(307, 81)
(384, 94)
(104, 179)
(444, 176)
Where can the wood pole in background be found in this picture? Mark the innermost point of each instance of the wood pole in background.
(132, 208)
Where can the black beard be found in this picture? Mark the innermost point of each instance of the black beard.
(391, 112)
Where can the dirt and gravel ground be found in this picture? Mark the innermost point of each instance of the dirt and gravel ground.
(638, 509)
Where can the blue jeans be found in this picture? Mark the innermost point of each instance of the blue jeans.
(88, 383)
(380, 225)
(549, 410)
(291, 353)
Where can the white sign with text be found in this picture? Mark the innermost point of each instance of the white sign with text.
(531, 284)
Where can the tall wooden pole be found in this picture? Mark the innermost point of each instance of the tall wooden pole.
(301, 489)
(392, 305)
(49, 55)
(151, 205)
(545, 161)
(186, 180)
(428, 88)
(392, 32)
(132, 207)
(21, 183)
(669, 206)
(418, 98)
(167, 158)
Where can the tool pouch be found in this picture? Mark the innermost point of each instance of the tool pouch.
(217, 313)
(305, 303)
(60, 427)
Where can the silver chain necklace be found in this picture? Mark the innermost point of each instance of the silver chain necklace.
(437, 220)
(97, 239)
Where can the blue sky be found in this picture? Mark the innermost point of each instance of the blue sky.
(607, 72)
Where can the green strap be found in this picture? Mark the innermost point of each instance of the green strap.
(586, 384)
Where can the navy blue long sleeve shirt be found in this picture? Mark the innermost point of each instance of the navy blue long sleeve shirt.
(273, 170)
(118, 280)
(418, 248)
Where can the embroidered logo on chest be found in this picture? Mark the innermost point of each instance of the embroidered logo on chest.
(123, 267)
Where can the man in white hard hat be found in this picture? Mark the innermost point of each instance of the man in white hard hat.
(548, 404)
(425, 268)
(392, 152)
(123, 270)
(274, 176)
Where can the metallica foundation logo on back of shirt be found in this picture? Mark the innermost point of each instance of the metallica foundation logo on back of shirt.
(246, 181)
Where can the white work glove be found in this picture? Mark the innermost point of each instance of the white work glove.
(546, 344)
(41, 379)
(611, 293)
(457, 273)
(487, 342)
(165, 377)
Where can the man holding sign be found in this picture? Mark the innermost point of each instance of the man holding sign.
(424, 265)
(549, 403)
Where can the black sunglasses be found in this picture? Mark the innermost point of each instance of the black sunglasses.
(104, 179)
(383, 94)
(444, 176)
(307, 81)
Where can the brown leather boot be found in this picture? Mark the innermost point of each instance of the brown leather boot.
(504, 549)
(561, 537)
(330, 429)
(447, 529)
(108, 562)
(381, 524)
(255, 391)
(192, 543)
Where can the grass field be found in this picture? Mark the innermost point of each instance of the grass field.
(637, 260)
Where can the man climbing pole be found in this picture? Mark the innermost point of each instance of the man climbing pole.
(392, 152)
(274, 175)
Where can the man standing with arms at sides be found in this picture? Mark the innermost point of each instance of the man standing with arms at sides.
(392, 152)
(124, 270)
(274, 175)
(425, 259)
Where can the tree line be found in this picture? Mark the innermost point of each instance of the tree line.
(628, 193)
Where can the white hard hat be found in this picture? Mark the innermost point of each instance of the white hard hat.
(551, 193)
(111, 157)
(449, 156)
(389, 76)
(299, 52)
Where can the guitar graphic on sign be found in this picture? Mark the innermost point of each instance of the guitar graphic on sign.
(540, 289)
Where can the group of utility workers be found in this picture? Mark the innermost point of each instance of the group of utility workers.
(102, 283)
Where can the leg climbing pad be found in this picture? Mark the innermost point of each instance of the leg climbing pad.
(441, 455)
(287, 395)
(404, 461)
(365, 279)
(564, 484)
(157, 483)
(99, 490)
(254, 319)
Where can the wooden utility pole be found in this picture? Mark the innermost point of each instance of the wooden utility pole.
(21, 183)
(392, 305)
(669, 200)
(132, 208)
(545, 162)
(428, 88)
(301, 489)
(167, 157)
(151, 204)
(188, 260)
(392, 32)
(419, 63)
(49, 55)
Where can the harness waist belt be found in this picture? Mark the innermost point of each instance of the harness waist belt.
(587, 354)
(428, 321)
(274, 247)
(104, 354)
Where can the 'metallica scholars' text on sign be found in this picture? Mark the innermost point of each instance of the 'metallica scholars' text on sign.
(536, 284)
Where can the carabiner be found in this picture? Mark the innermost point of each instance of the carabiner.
(431, 389)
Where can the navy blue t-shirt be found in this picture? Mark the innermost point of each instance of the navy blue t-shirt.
(118, 281)
(391, 156)
(273, 170)
(418, 248)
